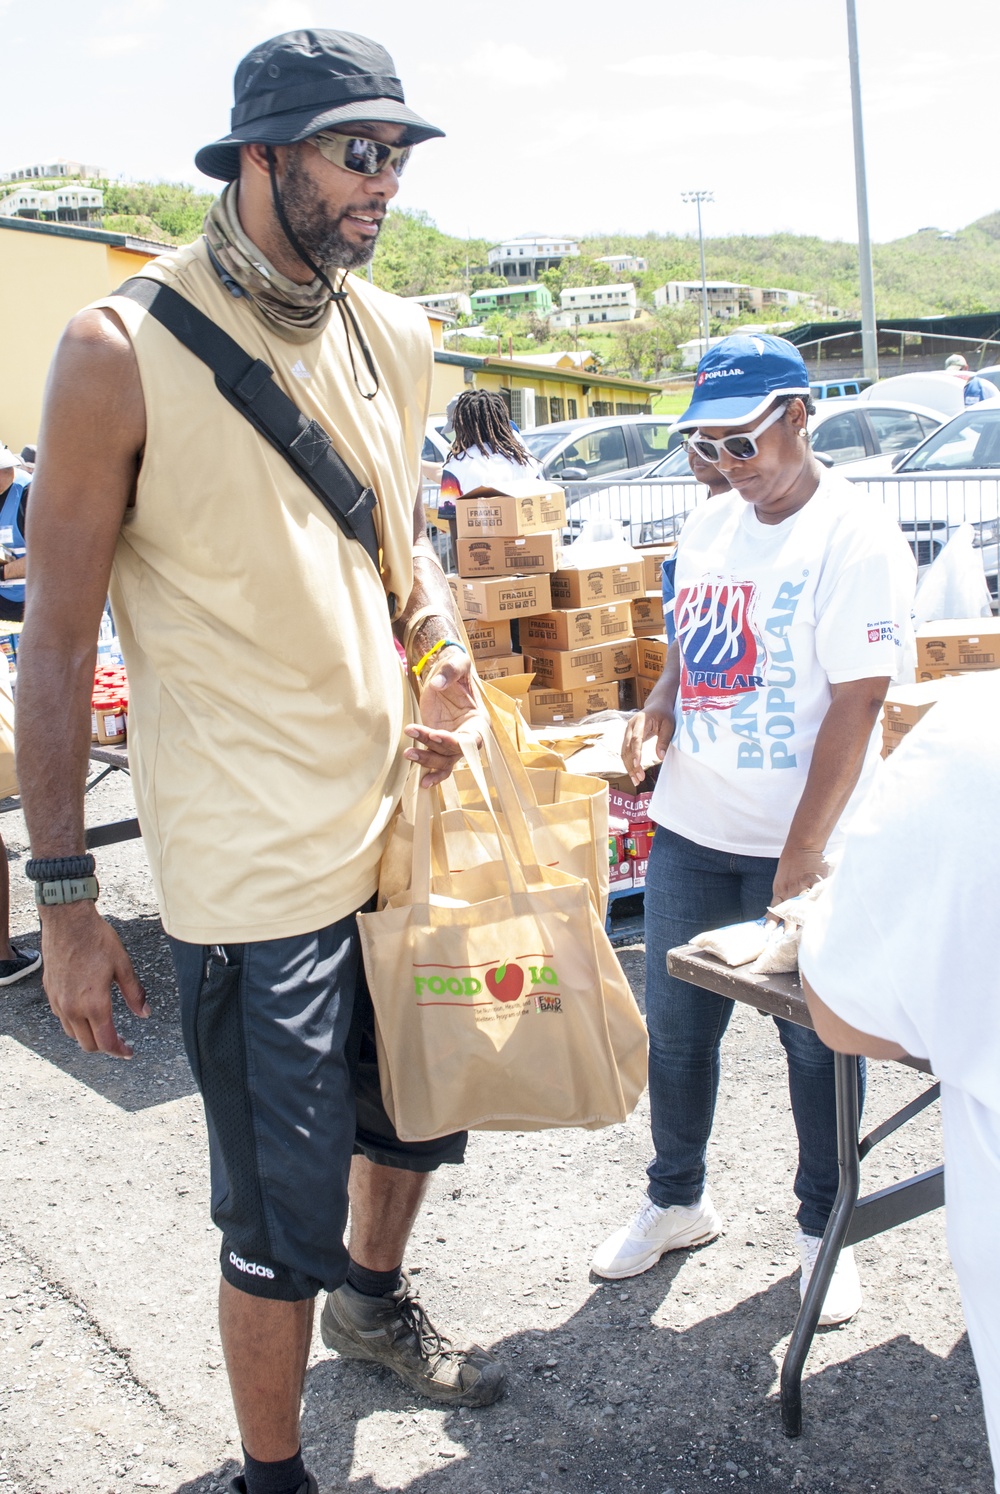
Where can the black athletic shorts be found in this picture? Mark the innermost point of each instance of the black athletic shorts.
(280, 1035)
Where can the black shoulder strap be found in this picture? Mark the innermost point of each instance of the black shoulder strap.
(248, 385)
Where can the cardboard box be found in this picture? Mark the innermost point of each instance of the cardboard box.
(605, 583)
(647, 614)
(532, 554)
(643, 686)
(497, 598)
(966, 643)
(489, 640)
(578, 627)
(548, 707)
(653, 557)
(943, 674)
(528, 510)
(573, 669)
(639, 868)
(652, 656)
(905, 705)
(499, 666)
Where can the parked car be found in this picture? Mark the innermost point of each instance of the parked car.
(857, 430)
(934, 389)
(580, 450)
(434, 452)
(837, 388)
(951, 478)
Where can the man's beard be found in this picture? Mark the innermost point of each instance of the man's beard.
(318, 232)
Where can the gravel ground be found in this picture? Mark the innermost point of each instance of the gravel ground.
(111, 1377)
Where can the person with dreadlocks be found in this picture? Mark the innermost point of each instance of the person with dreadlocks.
(269, 731)
(487, 452)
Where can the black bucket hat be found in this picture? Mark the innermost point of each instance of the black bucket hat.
(302, 82)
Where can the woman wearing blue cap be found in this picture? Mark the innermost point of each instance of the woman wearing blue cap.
(792, 613)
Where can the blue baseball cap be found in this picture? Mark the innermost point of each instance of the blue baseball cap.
(740, 377)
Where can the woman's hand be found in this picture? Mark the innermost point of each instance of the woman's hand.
(654, 721)
(798, 870)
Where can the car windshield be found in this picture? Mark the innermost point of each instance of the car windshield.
(970, 440)
(541, 442)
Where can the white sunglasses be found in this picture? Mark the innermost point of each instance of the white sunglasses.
(742, 446)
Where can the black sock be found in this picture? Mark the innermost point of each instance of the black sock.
(285, 1477)
(373, 1283)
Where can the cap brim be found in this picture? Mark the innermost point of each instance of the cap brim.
(221, 159)
(735, 411)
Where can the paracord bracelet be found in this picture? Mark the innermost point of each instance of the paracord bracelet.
(56, 868)
(444, 643)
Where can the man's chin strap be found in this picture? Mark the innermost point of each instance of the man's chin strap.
(339, 297)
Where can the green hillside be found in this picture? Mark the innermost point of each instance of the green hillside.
(920, 275)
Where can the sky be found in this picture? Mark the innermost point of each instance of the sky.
(565, 119)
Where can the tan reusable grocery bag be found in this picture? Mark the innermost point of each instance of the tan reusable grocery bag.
(566, 814)
(499, 1002)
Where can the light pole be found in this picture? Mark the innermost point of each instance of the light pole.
(698, 198)
(869, 333)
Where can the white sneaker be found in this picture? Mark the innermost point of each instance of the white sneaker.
(654, 1231)
(843, 1295)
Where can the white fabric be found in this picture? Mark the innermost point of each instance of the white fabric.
(769, 616)
(904, 945)
(488, 469)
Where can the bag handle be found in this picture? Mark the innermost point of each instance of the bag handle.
(429, 809)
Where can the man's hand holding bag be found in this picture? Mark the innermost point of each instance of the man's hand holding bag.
(499, 1002)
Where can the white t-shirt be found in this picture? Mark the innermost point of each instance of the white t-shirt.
(476, 468)
(904, 944)
(768, 617)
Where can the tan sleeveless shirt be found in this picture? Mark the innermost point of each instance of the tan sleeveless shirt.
(267, 698)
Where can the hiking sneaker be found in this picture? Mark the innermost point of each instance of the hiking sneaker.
(27, 961)
(396, 1332)
(843, 1295)
(239, 1485)
(639, 1245)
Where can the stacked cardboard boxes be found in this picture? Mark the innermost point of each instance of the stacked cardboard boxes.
(583, 651)
(508, 546)
(963, 646)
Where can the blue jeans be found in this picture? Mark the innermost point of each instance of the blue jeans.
(690, 888)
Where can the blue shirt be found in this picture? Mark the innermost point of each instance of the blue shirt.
(12, 511)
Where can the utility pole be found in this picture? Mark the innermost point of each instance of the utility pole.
(869, 332)
(698, 198)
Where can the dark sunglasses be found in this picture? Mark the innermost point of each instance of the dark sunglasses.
(356, 153)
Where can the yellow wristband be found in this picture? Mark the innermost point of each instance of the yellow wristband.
(444, 643)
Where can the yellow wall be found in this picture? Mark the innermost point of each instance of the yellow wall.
(449, 380)
(44, 280)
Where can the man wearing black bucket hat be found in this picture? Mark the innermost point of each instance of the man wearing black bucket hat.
(268, 715)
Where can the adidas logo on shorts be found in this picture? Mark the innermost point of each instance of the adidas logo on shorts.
(250, 1268)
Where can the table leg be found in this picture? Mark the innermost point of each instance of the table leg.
(848, 1123)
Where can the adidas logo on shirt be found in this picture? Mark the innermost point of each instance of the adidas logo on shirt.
(300, 371)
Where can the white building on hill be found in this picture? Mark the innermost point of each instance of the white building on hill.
(579, 305)
(623, 264)
(52, 171)
(69, 204)
(526, 257)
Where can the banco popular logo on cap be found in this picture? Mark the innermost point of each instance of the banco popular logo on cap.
(718, 373)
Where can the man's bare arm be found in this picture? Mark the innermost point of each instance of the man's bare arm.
(93, 430)
(446, 699)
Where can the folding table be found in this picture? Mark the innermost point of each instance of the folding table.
(853, 1218)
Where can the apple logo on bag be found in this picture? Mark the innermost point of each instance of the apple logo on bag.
(506, 982)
